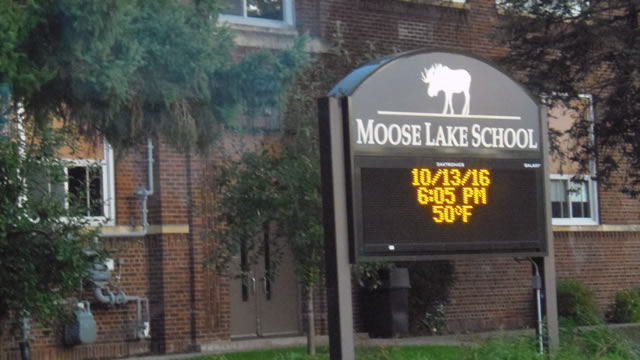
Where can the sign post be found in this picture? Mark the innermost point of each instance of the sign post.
(440, 156)
(338, 272)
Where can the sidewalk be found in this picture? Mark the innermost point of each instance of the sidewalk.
(219, 347)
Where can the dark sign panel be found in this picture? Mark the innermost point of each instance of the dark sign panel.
(441, 207)
(444, 157)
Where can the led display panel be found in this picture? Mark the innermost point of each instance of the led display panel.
(431, 207)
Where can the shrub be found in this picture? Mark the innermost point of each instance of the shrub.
(576, 302)
(627, 306)
(431, 283)
(598, 343)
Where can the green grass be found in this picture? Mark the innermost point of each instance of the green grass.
(364, 353)
(595, 343)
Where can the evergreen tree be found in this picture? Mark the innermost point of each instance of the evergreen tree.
(123, 69)
(561, 49)
(120, 68)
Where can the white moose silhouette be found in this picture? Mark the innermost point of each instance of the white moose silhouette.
(441, 78)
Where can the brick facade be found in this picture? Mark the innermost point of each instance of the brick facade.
(190, 303)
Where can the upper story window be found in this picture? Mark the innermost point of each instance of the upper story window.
(574, 198)
(432, 2)
(564, 8)
(272, 13)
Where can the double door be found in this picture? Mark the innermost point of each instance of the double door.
(264, 297)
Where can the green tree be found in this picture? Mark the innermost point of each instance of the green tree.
(280, 192)
(42, 244)
(281, 186)
(563, 48)
(124, 69)
(119, 68)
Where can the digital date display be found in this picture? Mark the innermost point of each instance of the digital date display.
(495, 207)
(451, 194)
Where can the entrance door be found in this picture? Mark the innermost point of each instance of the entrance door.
(263, 305)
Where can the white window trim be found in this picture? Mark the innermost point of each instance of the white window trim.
(592, 184)
(108, 185)
(287, 22)
(501, 6)
(593, 203)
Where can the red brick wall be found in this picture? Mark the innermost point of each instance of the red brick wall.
(188, 302)
(393, 25)
(490, 294)
(605, 261)
(616, 207)
(496, 293)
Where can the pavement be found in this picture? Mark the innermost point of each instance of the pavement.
(219, 347)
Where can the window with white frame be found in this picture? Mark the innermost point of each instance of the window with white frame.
(572, 200)
(573, 197)
(274, 13)
(86, 186)
(434, 2)
(565, 8)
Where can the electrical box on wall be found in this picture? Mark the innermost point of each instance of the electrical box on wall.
(82, 328)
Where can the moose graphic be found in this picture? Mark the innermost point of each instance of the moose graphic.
(441, 78)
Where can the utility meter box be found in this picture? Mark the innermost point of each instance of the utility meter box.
(82, 328)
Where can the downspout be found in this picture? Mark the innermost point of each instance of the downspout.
(143, 194)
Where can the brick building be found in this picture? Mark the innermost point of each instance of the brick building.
(596, 230)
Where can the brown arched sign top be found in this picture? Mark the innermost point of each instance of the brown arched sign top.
(444, 157)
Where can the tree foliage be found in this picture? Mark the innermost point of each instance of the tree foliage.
(280, 186)
(42, 243)
(132, 69)
(124, 69)
(563, 48)
(281, 190)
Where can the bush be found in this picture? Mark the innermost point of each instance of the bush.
(576, 302)
(431, 283)
(627, 306)
(598, 343)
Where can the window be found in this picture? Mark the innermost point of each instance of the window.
(86, 185)
(564, 8)
(573, 197)
(84, 189)
(274, 13)
(572, 200)
(435, 2)
(90, 185)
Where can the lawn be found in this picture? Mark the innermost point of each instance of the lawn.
(594, 343)
(364, 353)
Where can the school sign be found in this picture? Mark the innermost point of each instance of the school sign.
(431, 155)
(444, 157)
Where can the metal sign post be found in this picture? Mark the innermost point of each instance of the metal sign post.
(549, 262)
(336, 234)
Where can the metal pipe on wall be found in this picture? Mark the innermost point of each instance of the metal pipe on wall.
(143, 194)
(536, 283)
